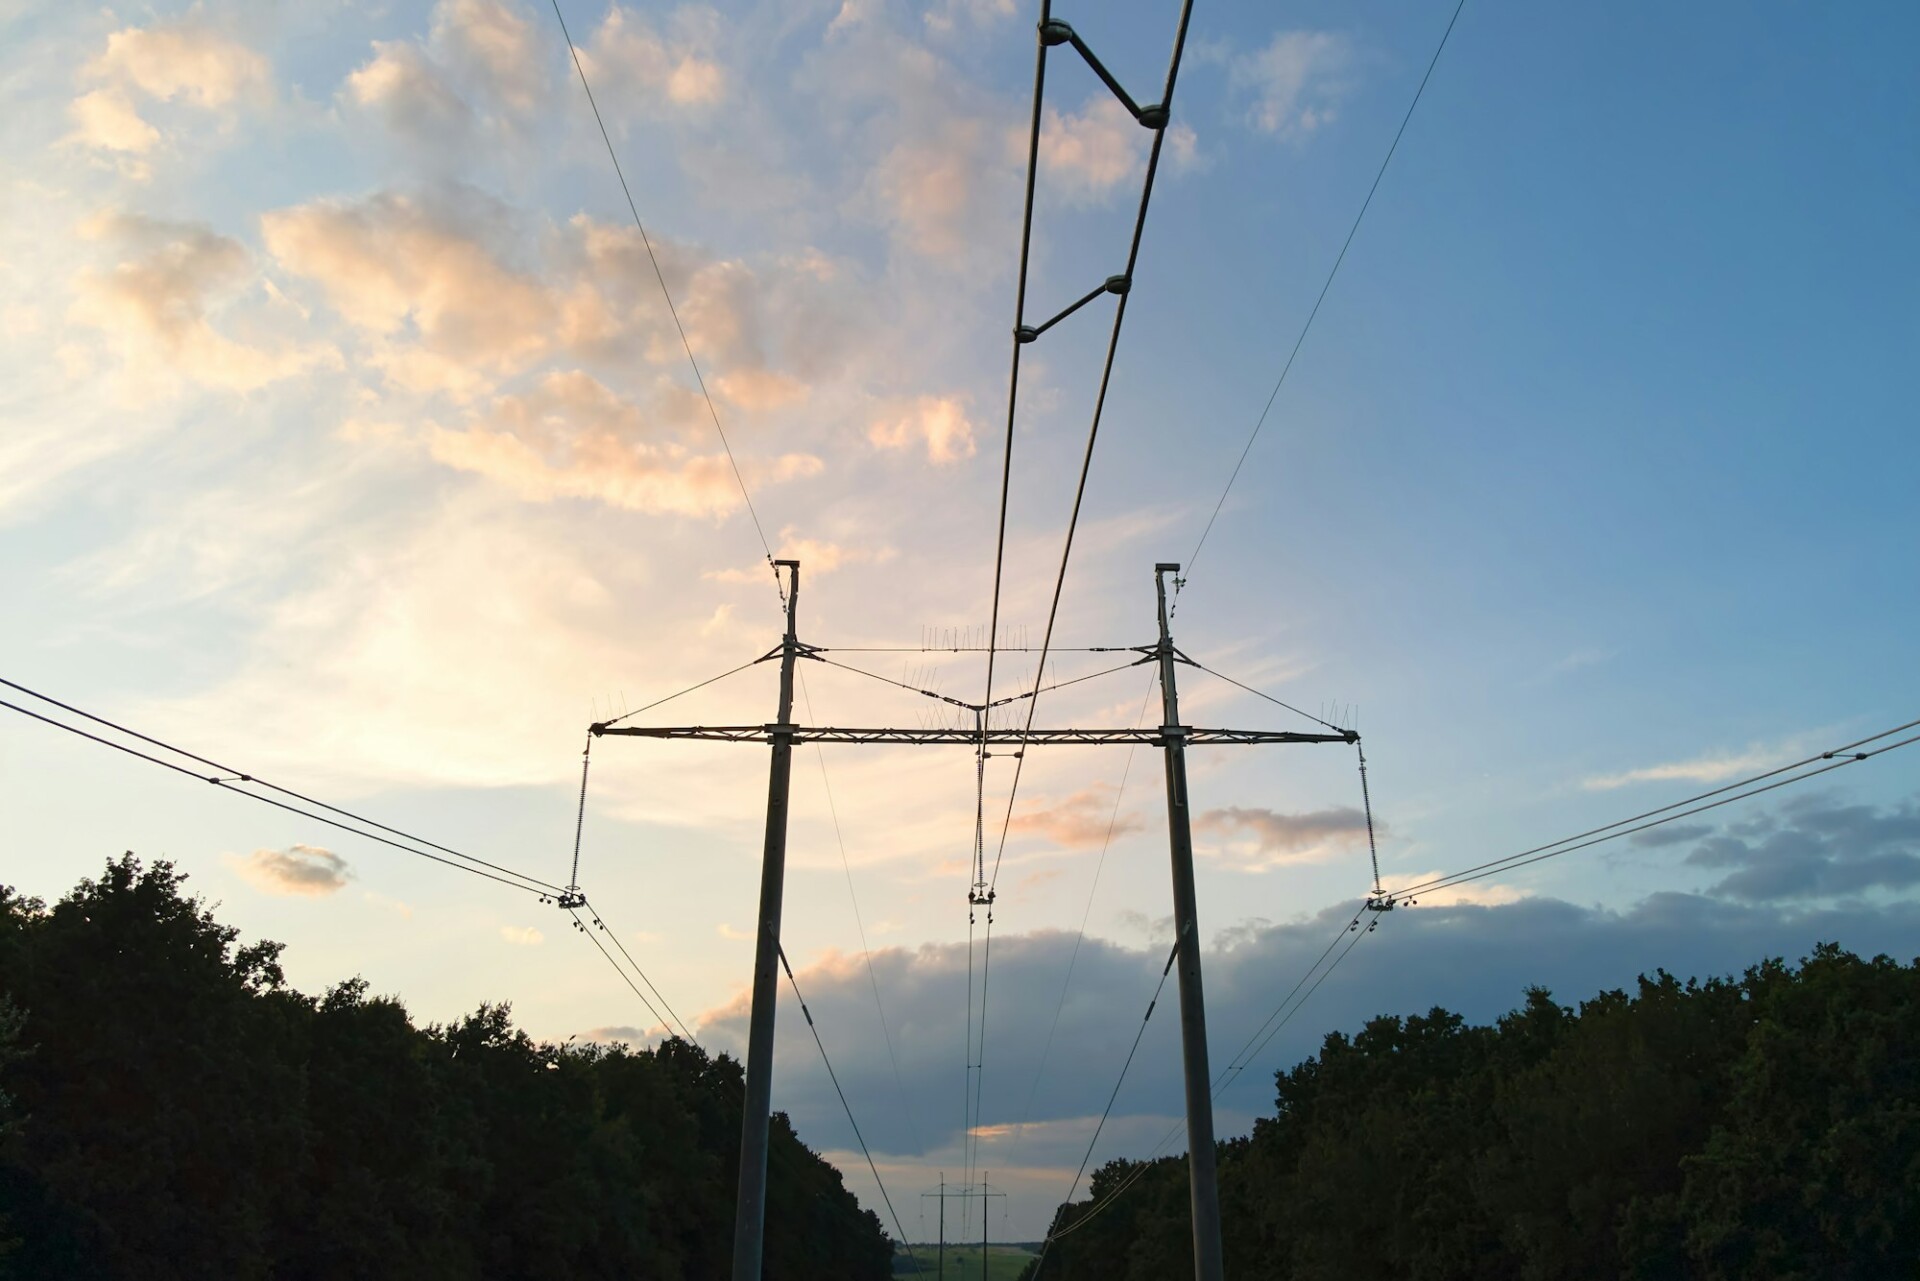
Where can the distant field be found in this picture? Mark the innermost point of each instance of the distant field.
(1004, 1262)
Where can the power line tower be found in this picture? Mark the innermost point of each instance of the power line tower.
(962, 1193)
(782, 735)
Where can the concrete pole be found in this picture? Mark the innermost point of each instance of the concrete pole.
(943, 1225)
(1203, 1184)
(750, 1209)
(983, 1225)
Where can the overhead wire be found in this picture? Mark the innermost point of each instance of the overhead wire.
(1114, 1094)
(1299, 341)
(600, 921)
(866, 953)
(1836, 758)
(846, 1106)
(460, 861)
(711, 680)
(1341, 729)
(1073, 957)
(1797, 772)
(1100, 400)
(667, 294)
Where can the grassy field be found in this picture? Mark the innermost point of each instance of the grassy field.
(1004, 1262)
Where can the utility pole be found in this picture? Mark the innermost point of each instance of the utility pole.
(1203, 1186)
(983, 1225)
(750, 1210)
(964, 1192)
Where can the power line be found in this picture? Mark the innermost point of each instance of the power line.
(1335, 271)
(1086, 914)
(689, 689)
(599, 920)
(1837, 758)
(667, 294)
(1261, 694)
(845, 1106)
(1125, 291)
(468, 863)
(543, 890)
(1225, 1080)
(1114, 1095)
(866, 952)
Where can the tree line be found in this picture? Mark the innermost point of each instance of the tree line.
(1760, 1127)
(171, 1108)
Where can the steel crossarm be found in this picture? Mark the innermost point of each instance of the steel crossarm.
(1146, 736)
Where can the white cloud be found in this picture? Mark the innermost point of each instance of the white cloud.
(1294, 85)
(498, 44)
(299, 869)
(155, 306)
(940, 422)
(1082, 820)
(1092, 151)
(628, 54)
(1710, 768)
(184, 60)
(410, 94)
(522, 935)
(106, 119)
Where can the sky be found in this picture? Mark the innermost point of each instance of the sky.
(346, 437)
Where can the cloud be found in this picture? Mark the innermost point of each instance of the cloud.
(572, 437)
(1477, 960)
(1088, 155)
(940, 422)
(816, 557)
(627, 52)
(498, 44)
(298, 869)
(155, 304)
(1711, 768)
(105, 119)
(1814, 848)
(454, 292)
(623, 1033)
(522, 935)
(1082, 820)
(1278, 838)
(393, 263)
(938, 186)
(1293, 86)
(410, 94)
(731, 934)
(184, 60)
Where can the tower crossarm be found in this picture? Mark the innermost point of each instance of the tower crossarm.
(1146, 736)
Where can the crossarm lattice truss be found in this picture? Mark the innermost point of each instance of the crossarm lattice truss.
(1158, 736)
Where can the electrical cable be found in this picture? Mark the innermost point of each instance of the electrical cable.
(580, 925)
(599, 920)
(1848, 753)
(846, 1106)
(866, 952)
(1099, 408)
(515, 880)
(1086, 914)
(1305, 328)
(1112, 1097)
(689, 689)
(667, 294)
(1339, 729)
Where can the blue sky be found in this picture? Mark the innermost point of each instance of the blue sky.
(346, 436)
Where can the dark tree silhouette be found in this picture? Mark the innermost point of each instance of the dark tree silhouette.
(1766, 1127)
(169, 1108)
